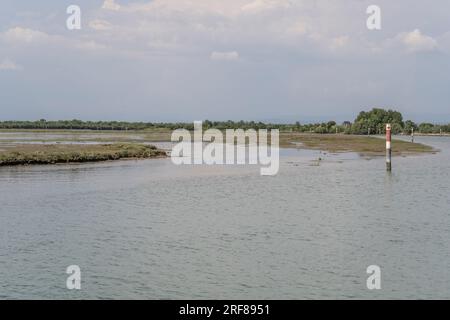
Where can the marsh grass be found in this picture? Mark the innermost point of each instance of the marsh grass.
(52, 154)
(336, 143)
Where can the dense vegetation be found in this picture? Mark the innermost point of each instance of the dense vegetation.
(371, 122)
(374, 121)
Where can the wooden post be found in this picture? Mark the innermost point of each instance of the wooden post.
(388, 148)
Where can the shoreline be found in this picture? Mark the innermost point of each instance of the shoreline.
(73, 148)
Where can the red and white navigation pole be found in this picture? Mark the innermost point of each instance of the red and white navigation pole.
(388, 148)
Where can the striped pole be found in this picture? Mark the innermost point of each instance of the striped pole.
(388, 148)
(412, 135)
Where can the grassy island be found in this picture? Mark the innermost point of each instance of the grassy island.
(67, 153)
(364, 145)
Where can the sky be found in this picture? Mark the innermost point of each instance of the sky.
(185, 60)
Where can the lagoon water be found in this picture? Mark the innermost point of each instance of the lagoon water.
(148, 229)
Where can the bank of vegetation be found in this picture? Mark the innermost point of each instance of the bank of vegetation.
(66, 153)
(363, 145)
(366, 123)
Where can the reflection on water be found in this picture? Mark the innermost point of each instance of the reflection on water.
(149, 229)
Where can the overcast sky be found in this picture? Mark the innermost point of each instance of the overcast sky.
(172, 60)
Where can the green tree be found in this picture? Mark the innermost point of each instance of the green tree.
(376, 120)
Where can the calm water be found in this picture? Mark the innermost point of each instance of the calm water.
(148, 229)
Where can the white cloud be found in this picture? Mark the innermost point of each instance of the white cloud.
(224, 56)
(111, 5)
(258, 6)
(178, 27)
(19, 34)
(416, 41)
(19, 37)
(229, 8)
(100, 25)
(10, 65)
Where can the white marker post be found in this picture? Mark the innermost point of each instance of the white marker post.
(388, 148)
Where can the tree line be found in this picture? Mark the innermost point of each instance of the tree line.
(367, 122)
